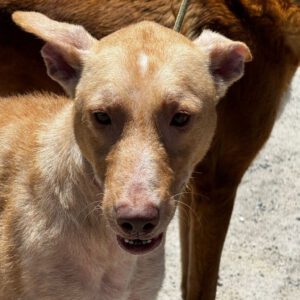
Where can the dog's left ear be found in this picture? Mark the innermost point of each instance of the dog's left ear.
(227, 59)
(65, 49)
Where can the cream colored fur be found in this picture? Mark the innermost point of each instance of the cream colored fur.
(63, 175)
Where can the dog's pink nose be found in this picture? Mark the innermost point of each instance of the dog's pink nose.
(137, 220)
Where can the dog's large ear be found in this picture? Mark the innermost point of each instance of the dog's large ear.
(65, 48)
(226, 59)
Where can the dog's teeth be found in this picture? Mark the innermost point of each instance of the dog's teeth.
(128, 241)
(147, 242)
(137, 242)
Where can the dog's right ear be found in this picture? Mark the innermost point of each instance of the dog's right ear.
(227, 59)
(65, 48)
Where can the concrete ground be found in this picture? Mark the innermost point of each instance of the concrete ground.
(261, 257)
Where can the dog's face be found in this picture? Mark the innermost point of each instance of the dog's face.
(144, 113)
(148, 103)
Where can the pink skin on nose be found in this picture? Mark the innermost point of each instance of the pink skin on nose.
(137, 218)
(137, 214)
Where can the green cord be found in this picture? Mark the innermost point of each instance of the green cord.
(179, 20)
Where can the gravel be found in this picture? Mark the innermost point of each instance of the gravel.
(261, 257)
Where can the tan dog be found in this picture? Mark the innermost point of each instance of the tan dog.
(87, 184)
(246, 114)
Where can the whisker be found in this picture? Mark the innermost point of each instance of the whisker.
(184, 218)
(87, 207)
(95, 208)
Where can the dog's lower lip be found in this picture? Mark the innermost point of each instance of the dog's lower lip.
(137, 246)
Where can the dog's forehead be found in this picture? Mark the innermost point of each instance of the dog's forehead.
(144, 33)
(139, 42)
(143, 60)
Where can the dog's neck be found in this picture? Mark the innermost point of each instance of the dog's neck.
(67, 177)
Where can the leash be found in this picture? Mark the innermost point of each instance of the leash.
(182, 11)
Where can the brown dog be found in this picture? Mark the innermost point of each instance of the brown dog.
(78, 178)
(246, 115)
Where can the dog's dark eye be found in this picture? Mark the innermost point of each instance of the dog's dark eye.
(180, 119)
(102, 118)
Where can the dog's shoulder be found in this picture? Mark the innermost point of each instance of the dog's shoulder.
(271, 26)
(35, 105)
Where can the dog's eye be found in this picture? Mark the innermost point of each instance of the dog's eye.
(180, 119)
(102, 118)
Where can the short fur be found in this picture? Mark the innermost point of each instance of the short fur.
(67, 180)
(246, 115)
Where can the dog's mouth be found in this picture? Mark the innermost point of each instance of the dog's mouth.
(137, 246)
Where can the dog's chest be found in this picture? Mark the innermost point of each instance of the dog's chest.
(117, 277)
(104, 274)
(128, 277)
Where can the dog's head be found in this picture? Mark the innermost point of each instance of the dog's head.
(144, 112)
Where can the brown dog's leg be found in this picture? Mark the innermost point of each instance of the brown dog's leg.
(207, 231)
(185, 220)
